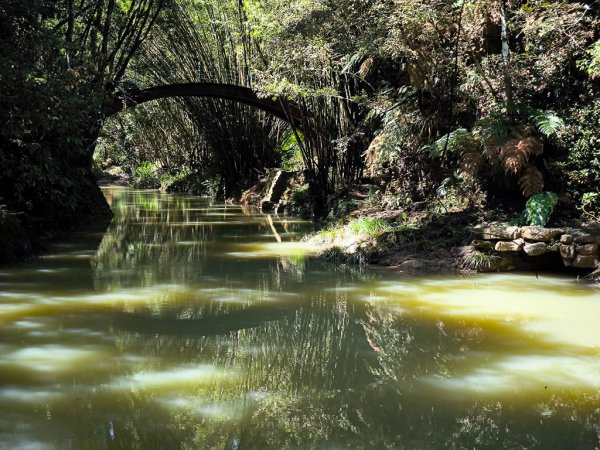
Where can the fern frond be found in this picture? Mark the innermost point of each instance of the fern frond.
(492, 153)
(514, 159)
(547, 122)
(532, 181)
(494, 133)
(515, 154)
(531, 146)
(470, 164)
(458, 141)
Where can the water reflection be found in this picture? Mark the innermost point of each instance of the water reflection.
(193, 326)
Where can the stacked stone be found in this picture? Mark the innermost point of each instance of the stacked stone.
(577, 248)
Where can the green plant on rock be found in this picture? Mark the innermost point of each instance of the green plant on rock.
(539, 208)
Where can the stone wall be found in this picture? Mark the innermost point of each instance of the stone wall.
(577, 248)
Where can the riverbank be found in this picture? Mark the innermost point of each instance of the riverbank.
(24, 236)
(425, 238)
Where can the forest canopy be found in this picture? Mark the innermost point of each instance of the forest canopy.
(477, 103)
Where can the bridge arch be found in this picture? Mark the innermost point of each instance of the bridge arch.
(279, 108)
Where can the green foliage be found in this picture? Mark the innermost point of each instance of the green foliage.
(369, 226)
(204, 183)
(481, 261)
(539, 208)
(291, 151)
(301, 201)
(579, 164)
(590, 206)
(167, 180)
(342, 208)
(547, 122)
(592, 63)
(457, 141)
(146, 177)
(330, 233)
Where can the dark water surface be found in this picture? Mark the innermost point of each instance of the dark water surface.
(189, 325)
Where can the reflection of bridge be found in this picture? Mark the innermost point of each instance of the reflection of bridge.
(277, 107)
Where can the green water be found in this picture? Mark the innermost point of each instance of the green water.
(196, 325)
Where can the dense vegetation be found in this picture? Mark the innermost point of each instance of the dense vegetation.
(452, 105)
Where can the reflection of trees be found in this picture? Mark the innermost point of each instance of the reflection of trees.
(332, 372)
(311, 361)
(145, 244)
(156, 238)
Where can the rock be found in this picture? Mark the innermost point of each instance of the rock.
(567, 252)
(566, 239)
(540, 234)
(585, 262)
(587, 239)
(504, 246)
(553, 247)
(587, 249)
(482, 245)
(253, 196)
(536, 249)
(410, 265)
(276, 184)
(498, 233)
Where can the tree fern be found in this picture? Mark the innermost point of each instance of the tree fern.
(516, 153)
(532, 181)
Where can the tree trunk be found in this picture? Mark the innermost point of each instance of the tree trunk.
(508, 92)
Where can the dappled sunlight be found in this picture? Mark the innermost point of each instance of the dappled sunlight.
(52, 358)
(553, 309)
(178, 379)
(529, 374)
(269, 250)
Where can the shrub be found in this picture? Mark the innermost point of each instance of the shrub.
(145, 176)
(539, 208)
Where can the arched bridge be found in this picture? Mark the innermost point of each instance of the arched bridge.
(277, 107)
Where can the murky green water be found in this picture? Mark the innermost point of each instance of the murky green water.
(191, 326)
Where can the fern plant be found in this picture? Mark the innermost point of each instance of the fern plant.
(457, 141)
(539, 208)
(505, 142)
(547, 122)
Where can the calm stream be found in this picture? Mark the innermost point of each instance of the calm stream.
(196, 325)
